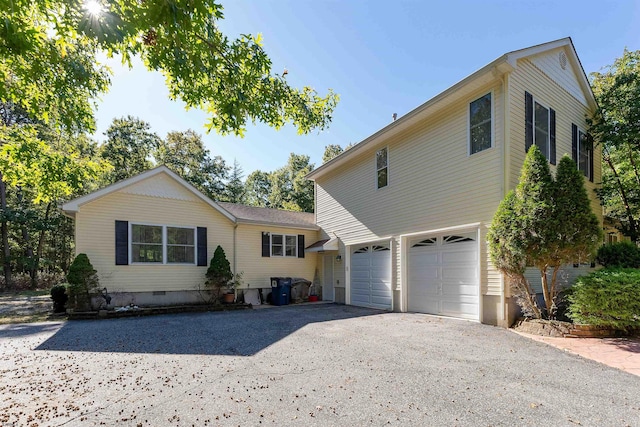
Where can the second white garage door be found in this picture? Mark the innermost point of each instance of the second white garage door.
(371, 276)
(444, 276)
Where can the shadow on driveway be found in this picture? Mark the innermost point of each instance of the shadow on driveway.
(235, 333)
(24, 329)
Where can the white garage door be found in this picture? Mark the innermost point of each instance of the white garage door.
(371, 276)
(444, 276)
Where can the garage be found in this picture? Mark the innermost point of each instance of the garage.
(443, 272)
(371, 276)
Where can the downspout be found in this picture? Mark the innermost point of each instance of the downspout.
(506, 175)
(235, 262)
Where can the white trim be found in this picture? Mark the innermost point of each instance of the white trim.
(493, 114)
(163, 244)
(73, 206)
(284, 245)
(504, 64)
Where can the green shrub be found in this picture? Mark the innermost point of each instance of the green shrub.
(608, 297)
(219, 274)
(83, 281)
(59, 297)
(619, 255)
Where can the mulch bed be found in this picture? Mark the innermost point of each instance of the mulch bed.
(150, 311)
(555, 328)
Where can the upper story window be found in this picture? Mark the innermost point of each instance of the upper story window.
(540, 127)
(162, 244)
(541, 124)
(480, 126)
(582, 150)
(382, 168)
(284, 245)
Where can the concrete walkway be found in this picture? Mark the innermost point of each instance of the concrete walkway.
(620, 353)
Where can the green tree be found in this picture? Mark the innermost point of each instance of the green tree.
(230, 79)
(83, 282)
(617, 127)
(129, 148)
(219, 275)
(333, 150)
(185, 154)
(289, 188)
(258, 189)
(235, 191)
(543, 223)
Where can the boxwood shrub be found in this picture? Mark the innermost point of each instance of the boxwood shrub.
(608, 297)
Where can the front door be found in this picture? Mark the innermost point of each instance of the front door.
(327, 282)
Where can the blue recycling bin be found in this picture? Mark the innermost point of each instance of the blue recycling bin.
(280, 290)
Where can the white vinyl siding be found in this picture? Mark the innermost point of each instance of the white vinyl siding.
(172, 204)
(527, 77)
(258, 270)
(436, 185)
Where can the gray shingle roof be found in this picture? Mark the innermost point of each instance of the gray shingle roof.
(269, 216)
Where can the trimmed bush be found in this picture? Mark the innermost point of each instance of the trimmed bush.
(619, 255)
(83, 281)
(219, 273)
(59, 297)
(609, 297)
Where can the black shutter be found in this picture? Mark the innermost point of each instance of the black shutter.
(300, 245)
(266, 244)
(528, 121)
(591, 149)
(202, 246)
(574, 143)
(552, 136)
(122, 242)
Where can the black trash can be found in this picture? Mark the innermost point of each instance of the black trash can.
(280, 290)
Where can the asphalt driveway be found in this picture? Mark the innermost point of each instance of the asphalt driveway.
(300, 365)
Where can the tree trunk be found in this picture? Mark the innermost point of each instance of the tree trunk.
(36, 262)
(26, 239)
(6, 252)
(546, 291)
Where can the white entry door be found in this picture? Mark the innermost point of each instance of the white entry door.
(327, 282)
(371, 276)
(444, 275)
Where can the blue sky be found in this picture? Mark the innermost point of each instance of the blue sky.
(381, 57)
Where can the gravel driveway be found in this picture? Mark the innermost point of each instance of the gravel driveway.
(325, 365)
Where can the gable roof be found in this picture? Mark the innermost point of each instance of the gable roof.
(72, 206)
(505, 63)
(268, 216)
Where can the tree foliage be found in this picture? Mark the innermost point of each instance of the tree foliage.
(235, 191)
(219, 275)
(129, 147)
(333, 150)
(230, 79)
(285, 188)
(543, 223)
(185, 154)
(617, 127)
(83, 282)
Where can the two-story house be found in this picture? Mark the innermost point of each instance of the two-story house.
(407, 209)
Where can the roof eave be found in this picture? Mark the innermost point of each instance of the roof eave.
(278, 224)
(496, 67)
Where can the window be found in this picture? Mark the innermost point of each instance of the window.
(382, 168)
(480, 127)
(181, 246)
(585, 153)
(162, 244)
(146, 243)
(541, 128)
(582, 151)
(284, 245)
